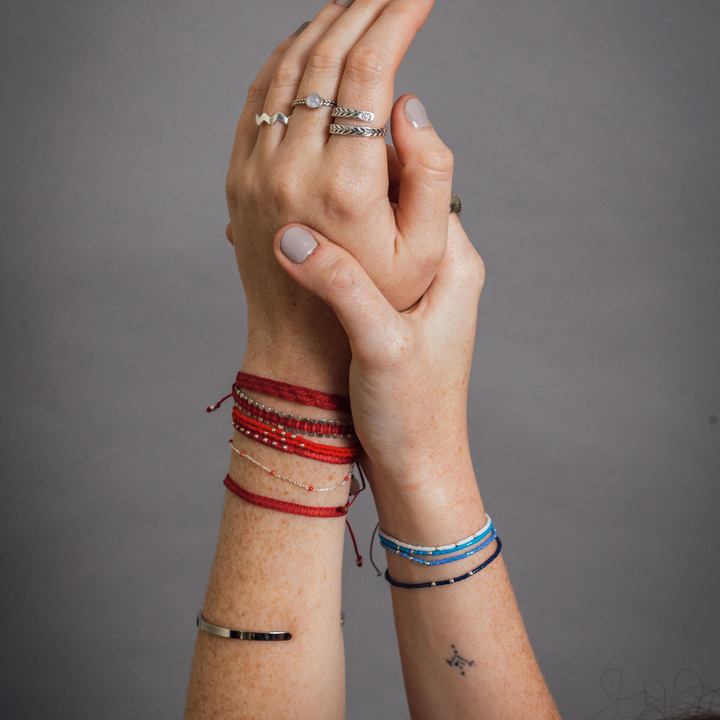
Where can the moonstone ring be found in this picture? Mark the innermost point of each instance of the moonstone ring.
(314, 101)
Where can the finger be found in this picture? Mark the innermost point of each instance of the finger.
(459, 279)
(394, 171)
(331, 273)
(247, 130)
(325, 66)
(288, 72)
(368, 79)
(229, 234)
(425, 182)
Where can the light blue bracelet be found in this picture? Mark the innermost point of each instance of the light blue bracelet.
(428, 563)
(394, 545)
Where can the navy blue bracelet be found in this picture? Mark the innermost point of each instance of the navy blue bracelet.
(421, 561)
(438, 583)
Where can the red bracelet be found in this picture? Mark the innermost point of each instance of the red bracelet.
(295, 509)
(294, 393)
(280, 440)
(328, 428)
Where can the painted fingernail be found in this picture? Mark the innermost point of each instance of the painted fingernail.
(415, 114)
(297, 244)
(344, 3)
(301, 28)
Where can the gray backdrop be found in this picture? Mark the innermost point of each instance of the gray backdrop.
(587, 143)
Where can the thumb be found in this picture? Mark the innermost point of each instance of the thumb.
(326, 270)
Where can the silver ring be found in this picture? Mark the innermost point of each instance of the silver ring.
(455, 204)
(357, 130)
(314, 101)
(271, 119)
(274, 636)
(364, 115)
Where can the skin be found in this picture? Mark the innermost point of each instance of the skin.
(339, 322)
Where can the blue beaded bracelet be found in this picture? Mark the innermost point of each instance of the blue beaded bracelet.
(405, 552)
(439, 549)
(429, 563)
(438, 583)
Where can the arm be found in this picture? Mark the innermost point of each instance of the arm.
(464, 649)
(275, 571)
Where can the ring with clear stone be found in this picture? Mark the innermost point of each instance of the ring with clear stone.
(357, 130)
(314, 101)
(364, 115)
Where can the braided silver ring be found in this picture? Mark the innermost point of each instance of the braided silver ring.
(271, 119)
(364, 115)
(314, 101)
(357, 130)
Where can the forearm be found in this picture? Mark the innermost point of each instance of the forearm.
(275, 571)
(464, 649)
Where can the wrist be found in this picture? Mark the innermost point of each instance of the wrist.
(436, 504)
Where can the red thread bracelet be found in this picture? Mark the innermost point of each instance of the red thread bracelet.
(295, 509)
(294, 393)
(282, 505)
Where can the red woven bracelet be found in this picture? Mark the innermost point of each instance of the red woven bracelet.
(288, 421)
(294, 393)
(268, 435)
(282, 505)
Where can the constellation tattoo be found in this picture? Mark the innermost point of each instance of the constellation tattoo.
(459, 662)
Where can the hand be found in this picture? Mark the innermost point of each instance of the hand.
(408, 377)
(337, 184)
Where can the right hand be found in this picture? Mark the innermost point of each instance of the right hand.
(409, 372)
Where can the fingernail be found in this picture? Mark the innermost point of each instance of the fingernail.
(344, 3)
(297, 244)
(415, 113)
(301, 28)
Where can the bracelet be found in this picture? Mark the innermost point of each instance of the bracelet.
(310, 488)
(262, 433)
(438, 583)
(437, 549)
(272, 636)
(293, 393)
(284, 506)
(321, 428)
(462, 556)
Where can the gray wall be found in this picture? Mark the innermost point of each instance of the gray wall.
(588, 157)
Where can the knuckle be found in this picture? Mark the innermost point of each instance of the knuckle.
(326, 56)
(438, 162)
(472, 270)
(256, 92)
(287, 74)
(340, 277)
(366, 66)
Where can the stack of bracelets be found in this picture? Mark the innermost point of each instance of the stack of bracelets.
(290, 433)
(459, 550)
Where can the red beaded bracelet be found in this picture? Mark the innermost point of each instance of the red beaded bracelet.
(281, 440)
(327, 428)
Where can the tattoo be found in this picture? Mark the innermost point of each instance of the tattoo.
(459, 662)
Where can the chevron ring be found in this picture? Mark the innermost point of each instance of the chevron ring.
(271, 119)
(357, 130)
